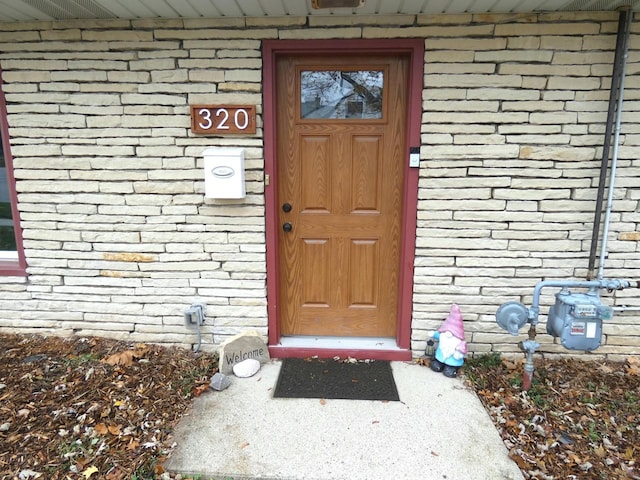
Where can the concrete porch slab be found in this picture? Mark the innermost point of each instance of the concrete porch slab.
(438, 430)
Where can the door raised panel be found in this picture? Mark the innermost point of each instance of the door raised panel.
(363, 272)
(316, 172)
(316, 278)
(366, 158)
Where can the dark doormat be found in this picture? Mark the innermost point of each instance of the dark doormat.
(328, 378)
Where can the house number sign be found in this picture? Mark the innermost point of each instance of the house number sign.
(223, 119)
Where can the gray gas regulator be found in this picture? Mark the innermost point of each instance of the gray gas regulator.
(576, 317)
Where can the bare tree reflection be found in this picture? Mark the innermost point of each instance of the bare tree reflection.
(342, 94)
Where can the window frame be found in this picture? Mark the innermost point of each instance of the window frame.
(10, 267)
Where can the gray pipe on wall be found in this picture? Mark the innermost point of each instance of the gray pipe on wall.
(614, 114)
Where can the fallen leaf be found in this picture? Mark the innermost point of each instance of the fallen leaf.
(520, 461)
(126, 357)
(244, 445)
(629, 453)
(633, 366)
(323, 401)
(101, 429)
(600, 452)
(201, 389)
(605, 369)
(115, 474)
(90, 471)
(575, 459)
(114, 430)
(133, 445)
(121, 358)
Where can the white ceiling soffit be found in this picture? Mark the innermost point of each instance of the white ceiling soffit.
(30, 10)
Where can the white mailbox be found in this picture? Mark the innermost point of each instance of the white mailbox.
(224, 173)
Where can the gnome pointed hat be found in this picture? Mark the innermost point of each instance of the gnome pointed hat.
(453, 323)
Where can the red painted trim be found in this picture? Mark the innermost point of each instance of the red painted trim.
(12, 269)
(412, 175)
(293, 352)
(271, 209)
(412, 47)
(7, 267)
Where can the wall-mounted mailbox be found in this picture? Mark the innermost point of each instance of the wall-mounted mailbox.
(224, 173)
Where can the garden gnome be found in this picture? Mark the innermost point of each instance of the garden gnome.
(452, 348)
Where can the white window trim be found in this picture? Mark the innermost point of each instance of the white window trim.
(8, 255)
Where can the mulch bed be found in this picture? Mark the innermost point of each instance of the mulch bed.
(91, 408)
(579, 420)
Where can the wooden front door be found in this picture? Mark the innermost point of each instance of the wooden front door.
(340, 153)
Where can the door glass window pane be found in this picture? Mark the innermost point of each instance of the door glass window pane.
(7, 233)
(341, 94)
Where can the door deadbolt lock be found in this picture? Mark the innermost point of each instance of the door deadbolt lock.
(287, 227)
(286, 207)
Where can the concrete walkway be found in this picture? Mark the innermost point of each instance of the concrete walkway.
(438, 430)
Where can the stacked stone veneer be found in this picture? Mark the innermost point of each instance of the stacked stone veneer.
(119, 238)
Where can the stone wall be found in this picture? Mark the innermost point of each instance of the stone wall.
(513, 126)
(120, 240)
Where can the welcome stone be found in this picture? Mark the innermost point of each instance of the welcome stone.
(247, 345)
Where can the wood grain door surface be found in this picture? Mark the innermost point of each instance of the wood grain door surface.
(339, 265)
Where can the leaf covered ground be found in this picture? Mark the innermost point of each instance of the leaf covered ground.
(92, 408)
(579, 420)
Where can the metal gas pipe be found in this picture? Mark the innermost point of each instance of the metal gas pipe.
(575, 318)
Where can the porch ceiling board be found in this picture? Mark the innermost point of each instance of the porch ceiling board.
(34, 10)
(16, 11)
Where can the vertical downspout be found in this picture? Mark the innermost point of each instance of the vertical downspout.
(615, 109)
(614, 157)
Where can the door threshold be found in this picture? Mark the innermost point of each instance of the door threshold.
(361, 348)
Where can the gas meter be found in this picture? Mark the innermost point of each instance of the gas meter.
(576, 318)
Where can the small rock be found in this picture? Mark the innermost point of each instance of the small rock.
(34, 358)
(27, 474)
(5, 427)
(246, 368)
(220, 381)
(586, 466)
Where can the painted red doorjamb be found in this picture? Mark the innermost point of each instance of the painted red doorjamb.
(415, 49)
(18, 267)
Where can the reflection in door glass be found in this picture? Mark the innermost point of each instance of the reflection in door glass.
(341, 94)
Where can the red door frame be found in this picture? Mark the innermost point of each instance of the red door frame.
(17, 267)
(415, 49)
